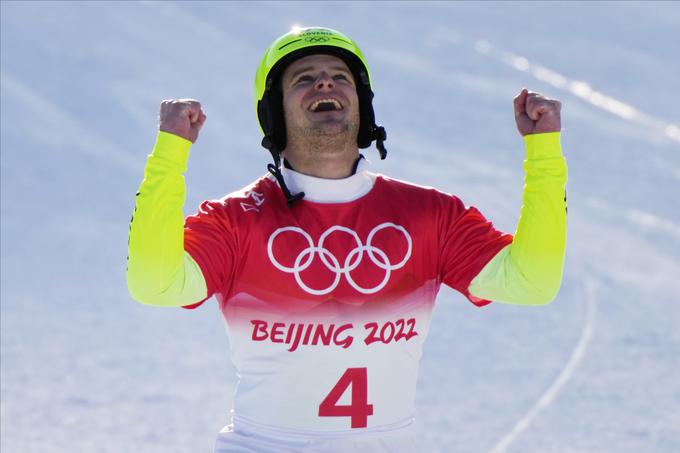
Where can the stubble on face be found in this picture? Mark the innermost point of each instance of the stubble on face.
(324, 138)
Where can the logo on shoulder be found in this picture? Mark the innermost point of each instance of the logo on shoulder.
(255, 200)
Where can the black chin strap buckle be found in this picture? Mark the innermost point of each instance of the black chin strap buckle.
(267, 143)
(380, 135)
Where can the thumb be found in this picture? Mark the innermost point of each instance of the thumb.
(193, 113)
(201, 118)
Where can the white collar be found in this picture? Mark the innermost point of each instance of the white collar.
(322, 190)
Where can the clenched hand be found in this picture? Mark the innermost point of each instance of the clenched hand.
(183, 117)
(536, 114)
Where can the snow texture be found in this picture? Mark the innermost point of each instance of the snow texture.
(86, 369)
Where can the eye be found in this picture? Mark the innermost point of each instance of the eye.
(304, 79)
(343, 77)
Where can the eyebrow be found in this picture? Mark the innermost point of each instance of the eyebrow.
(309, 68)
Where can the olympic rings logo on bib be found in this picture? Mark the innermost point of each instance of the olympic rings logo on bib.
(353, 259)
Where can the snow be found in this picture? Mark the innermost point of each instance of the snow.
(84, 368)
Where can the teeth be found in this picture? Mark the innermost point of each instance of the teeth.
(316, 104)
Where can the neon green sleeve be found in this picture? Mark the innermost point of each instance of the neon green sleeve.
(159, 271)
(529, 271)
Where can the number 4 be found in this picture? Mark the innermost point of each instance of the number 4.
(359, 410)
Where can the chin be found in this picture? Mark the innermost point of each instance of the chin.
(331, 128)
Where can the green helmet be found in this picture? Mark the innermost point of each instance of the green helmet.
(298, 43)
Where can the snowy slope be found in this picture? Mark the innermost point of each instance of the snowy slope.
(86, 369)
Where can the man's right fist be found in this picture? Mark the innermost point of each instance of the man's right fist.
(183, 117)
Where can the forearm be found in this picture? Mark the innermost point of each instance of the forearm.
(529, 271)
(159, 271)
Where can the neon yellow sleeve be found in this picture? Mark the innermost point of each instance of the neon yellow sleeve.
(529, 271)
(159, 271)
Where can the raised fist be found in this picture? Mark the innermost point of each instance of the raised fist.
(535, 113)
(183, 117)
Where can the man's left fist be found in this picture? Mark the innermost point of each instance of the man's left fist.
(536, 114)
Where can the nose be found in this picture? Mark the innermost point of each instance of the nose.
(324, 81)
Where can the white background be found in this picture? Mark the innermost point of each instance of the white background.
(86, 369)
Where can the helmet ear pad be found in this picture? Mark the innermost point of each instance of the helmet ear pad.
(270, 107)
(272, 117)
(366, 114)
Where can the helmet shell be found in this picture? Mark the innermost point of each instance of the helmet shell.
(296, 44)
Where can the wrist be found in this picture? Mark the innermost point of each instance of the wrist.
(543, 145)
(173, 148)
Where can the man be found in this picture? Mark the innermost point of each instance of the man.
(326, 273)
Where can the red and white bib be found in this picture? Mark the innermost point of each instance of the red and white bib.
(328, 302)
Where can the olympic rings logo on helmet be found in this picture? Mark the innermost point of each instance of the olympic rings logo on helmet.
(317, 39)
(353, 259)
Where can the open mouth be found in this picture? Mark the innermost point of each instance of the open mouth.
(325, 105)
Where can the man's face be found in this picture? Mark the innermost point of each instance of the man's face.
(320, 98)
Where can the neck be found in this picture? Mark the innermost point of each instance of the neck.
(325, 190)
(323, 163)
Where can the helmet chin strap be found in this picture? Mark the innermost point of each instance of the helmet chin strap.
(275, 170)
